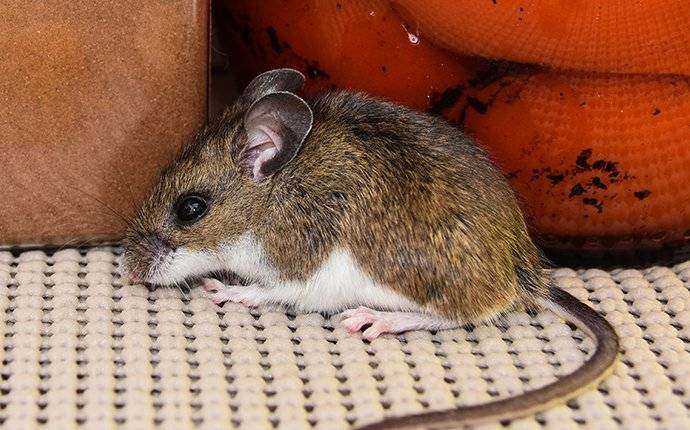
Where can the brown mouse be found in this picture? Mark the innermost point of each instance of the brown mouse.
(345, 203)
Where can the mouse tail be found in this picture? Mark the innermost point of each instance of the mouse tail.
(596, 368)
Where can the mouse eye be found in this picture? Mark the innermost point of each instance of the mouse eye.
(190, 209)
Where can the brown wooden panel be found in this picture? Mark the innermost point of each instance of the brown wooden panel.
(95, 97)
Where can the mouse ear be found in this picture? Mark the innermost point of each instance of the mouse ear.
(276, 125)
(272, 81)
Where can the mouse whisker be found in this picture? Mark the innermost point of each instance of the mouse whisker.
(123, 178)
(82, 191)
(72, 243)
(63, 222)
(182, 292)
(117, 214)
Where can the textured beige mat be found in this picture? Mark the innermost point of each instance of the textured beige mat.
(79, 349)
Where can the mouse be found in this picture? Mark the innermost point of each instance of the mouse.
(343, 203)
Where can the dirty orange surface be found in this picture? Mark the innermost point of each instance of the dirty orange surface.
(641, 36)
(585, 105)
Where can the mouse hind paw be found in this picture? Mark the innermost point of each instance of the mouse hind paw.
(382, 322)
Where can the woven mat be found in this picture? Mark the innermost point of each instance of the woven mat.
(81, 350)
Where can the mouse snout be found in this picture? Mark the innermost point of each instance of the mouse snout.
(133, 275)
(143, 255)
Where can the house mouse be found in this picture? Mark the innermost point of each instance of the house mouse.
(343, 203)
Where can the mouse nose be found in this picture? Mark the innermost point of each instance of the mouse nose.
(142, 253)
(134, 277)
(128, 271)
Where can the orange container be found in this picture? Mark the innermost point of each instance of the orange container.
(584, 105)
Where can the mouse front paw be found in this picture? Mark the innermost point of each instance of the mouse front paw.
(219, 293)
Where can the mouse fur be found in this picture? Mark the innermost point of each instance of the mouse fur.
(419, 205)
(345, 203)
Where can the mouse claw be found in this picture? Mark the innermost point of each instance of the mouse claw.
(375, 330)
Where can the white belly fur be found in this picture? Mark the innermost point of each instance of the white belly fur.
(338, 284)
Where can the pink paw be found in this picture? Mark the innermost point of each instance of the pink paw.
(220, 293)
(215, 290)
(355, 319)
